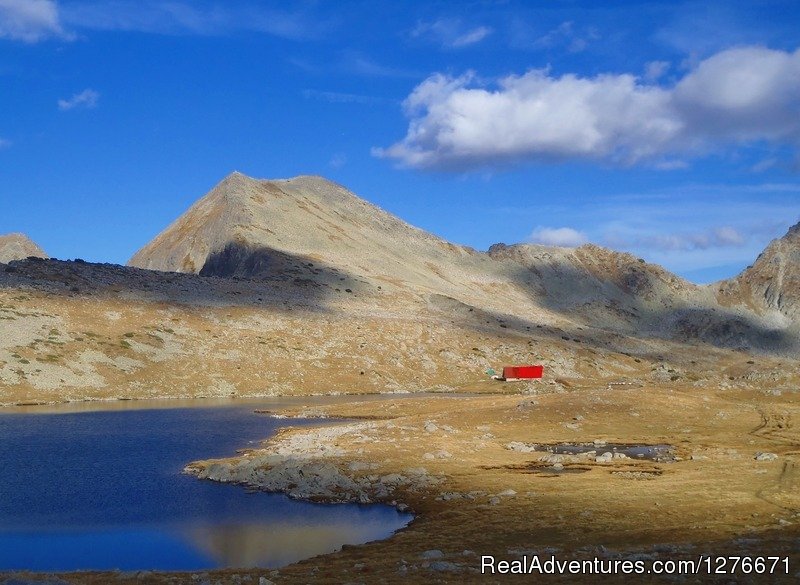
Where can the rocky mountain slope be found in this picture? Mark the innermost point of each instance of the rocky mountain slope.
(772, 283)
(603, 287)
(268, 229)
(18, 247)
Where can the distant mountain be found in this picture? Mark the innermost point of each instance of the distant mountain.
(18, 247)
(772, 283)
(317, 235)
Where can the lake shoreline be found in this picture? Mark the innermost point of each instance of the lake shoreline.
(149, 402)
(152, 516)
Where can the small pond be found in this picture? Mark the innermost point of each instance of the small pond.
(103, 489)
(659, 453)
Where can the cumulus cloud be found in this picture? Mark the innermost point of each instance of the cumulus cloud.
(564, 236)
(30, 21)
(533, 116)
(743, 94)
(451, 33)
(734, 98)
(85, 99)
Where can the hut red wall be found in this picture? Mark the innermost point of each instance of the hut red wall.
(523, 371)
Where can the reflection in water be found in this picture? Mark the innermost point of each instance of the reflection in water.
(276, 545)
(104, 490)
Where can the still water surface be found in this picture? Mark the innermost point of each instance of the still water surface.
(104, 490)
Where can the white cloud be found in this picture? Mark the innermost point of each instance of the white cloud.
(533, 116)
(85, 99)
(566, 237)
(731, 99)
(473, 36)
(743, 94)
(30, 21)
(451, 33)
(4, 143)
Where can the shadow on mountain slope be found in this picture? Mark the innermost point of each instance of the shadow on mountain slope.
(604, 314)
(264, 264)
(232, 277)
(611, 307)
(635, 304)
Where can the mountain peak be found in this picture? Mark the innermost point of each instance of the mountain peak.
(232, 185)
(305, 217)
(18, 246)
(238, 188)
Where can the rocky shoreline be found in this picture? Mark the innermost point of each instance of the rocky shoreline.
(310, 464)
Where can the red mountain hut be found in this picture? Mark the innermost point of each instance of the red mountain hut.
(514, 373)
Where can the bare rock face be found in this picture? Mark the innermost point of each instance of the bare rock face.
(772, 283)
(18, 247)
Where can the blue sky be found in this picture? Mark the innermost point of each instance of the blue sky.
(668, 130)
